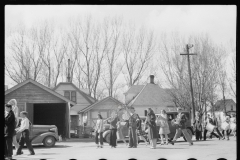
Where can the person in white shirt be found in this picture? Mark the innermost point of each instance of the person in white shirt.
(24, 130)
(99, 131)
(13, 102)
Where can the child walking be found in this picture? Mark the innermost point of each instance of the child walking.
(24, 129)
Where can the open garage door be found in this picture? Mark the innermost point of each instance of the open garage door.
(52, 114)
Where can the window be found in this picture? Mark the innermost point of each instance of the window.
(67, 94)
(231, 107)
(73, 96)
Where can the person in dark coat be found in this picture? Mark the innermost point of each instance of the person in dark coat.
(197, 125)
(132, 125)
(9, 130)
(152, 128)
(181, 126)
(113, 127)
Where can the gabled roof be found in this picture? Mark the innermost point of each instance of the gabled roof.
(151, 95)
(41, 86)
(221, 102)
(134, 89)
(90, 99)
(101, 101)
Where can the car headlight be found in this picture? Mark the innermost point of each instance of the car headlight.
(53, 130)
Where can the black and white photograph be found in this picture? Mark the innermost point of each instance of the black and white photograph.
(120, 82)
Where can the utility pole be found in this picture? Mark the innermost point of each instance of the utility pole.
(190, 77)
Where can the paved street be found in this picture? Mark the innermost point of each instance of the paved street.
(202, 150)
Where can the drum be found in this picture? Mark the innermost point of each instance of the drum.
(233, 126)
(210, 127)
(225, 126)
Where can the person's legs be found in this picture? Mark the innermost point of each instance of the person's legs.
(204, 134)
(218, 132)
(186, 135)
(9, 148)
(214, 134)
(134, 137)
(96, 138)
(228, 133)
(200, 133)
(101, 138)
(197, 135)
(15, 142)
(28, 143)
(154, 142)
(21, 144)
(178, 132)
(166, 138)
(223, 134)
(5, 147)
(130, 137)
(161, 135)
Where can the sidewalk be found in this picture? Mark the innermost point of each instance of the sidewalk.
(78, 140)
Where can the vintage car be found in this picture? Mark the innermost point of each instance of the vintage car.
(43, 134)
(171, 115)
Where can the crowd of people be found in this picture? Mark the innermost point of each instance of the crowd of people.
(13, 125)
(134, 124)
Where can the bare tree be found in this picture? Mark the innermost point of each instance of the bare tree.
(23, 61)
(223, 85)
(138, 49)
(114, 67)
(205, 68)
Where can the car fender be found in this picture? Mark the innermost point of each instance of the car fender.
(40, 138)
(105, 133)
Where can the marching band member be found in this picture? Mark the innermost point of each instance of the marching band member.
(226, 127)
(181, 126)
(164, 128)
(233, 124)
(215, 123)
(210, 121)
(152, 128)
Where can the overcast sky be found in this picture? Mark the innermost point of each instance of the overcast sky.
(219, 21)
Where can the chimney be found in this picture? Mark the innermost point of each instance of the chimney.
(152, 79)
(68, 77)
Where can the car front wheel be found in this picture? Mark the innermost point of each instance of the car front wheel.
(49, 141)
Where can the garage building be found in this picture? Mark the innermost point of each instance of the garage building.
(44, 106)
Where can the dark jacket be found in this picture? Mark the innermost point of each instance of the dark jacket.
(10, 124)
(139, 124)
(113, 123)
(183, 121)
(132, 122)
(197, 125)
(152, 127)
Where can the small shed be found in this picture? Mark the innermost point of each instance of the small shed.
(104, 107)
(44, 106)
